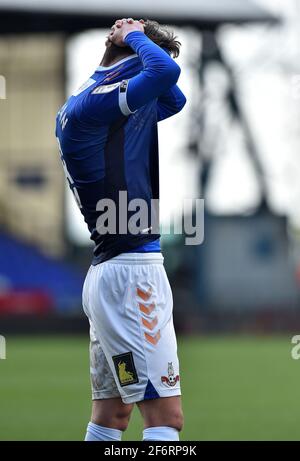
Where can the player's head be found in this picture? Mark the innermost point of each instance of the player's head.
(163, 37)
(158, 33)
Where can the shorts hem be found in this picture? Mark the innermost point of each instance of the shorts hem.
(139, 397)
(102, 395)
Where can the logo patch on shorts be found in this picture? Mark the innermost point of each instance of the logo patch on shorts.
(125, 369)
(171, 379)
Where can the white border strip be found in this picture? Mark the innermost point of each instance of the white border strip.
(123, 98)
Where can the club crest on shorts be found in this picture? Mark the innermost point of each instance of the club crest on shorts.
(171, 379)
(125, 369)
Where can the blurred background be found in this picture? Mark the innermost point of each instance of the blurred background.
(236, 144)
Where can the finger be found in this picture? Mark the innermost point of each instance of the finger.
(142, 21)
(130, 21)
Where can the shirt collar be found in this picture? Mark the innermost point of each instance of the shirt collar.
(104, 68)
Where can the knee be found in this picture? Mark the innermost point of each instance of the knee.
(173, 418)
(117, 419)
(176, 420)
(120, 420)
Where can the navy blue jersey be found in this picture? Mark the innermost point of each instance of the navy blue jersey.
(107, 134)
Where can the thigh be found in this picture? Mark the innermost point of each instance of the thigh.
(102, 379)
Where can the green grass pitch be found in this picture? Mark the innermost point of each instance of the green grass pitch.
(234, 388)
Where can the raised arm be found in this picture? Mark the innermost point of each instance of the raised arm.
(170, 103)
(105, 104)
(159, 74)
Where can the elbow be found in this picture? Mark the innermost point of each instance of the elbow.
(174, 72)
(169, 75)
(182, 102)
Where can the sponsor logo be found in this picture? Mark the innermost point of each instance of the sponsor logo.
(84, 86)
(171, 379)
(105, 88)
(125, 369)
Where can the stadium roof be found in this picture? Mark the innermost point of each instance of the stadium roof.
(75, 15)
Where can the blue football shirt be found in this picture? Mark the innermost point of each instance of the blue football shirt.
(107, 134)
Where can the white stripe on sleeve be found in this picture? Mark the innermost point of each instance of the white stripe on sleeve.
(123, 98)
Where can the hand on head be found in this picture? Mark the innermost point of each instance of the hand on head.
(122, 27)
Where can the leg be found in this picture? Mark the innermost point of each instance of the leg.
(110, 416)
(164, 411)
(109, 419)
(112, 413)
(163, 418)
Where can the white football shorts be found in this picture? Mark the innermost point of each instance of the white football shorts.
(133, 349)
